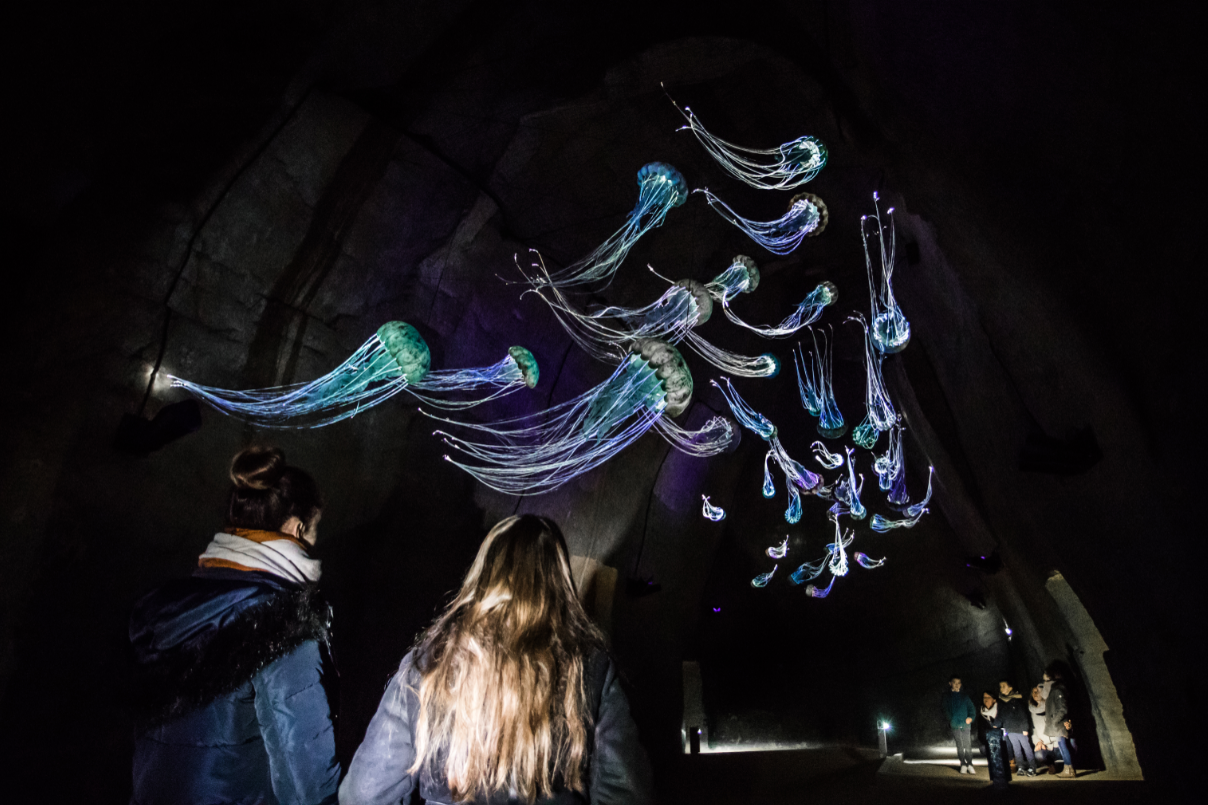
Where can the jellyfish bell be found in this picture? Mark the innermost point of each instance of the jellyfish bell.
(752, 272)
(891, 331)
(700, 295)
(819, 207)
(773, 364)
(671, 369)
(527, 365)
(408, 349)
(829, 293)
(805, 153)
(666, 184)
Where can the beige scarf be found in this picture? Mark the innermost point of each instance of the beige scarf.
(268, 551)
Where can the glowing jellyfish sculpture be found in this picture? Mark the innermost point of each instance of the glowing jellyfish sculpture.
(797, 477)
(879, 413)
(913, 513)
(890, 330)
(763, 578)
(806, 216)
(394, 359)
(815, 385)
(779, 551)
(742, 276)
(847, 493)
(661, 188)
(711, 512)
(864, 561)
(790, 165)
(540, 452)
(890, 465)
(607, 334)
(829, 460)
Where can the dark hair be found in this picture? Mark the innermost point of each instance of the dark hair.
(1054, 670)
(1006, 682)
(953, 678)
(265, 491)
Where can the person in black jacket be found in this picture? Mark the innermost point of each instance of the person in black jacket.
(233, 667)
(1017, 726)
(508, 697)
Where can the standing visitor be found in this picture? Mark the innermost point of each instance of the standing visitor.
(508, 696)
(1017, 724)
(959, 711)
(233, 662)
(1057, 719)
(1040, 741)
(997, 754)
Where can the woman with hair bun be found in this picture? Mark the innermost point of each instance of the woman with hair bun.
(233, 662)
(508, 697)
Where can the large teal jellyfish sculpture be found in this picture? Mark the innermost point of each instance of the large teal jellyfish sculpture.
(807, 216)
(537, 453)
(661, 188)
(798, 478)
(742, 276)
(815, 385)
(783, 168)
(890, 330)
(394, 359)
(879, 415)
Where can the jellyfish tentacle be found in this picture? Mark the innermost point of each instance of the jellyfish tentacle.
(829, 460)
(890, 330)
(661, 188)
(815, 384)
(879, 408)
(806, 216)
(779, 551)
(537, 453)
(890, 465)
(785, 167)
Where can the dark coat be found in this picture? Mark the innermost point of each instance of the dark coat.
(957, 707)
(1014, 714)
(232, 703)
(619, 772)
(1056, 711)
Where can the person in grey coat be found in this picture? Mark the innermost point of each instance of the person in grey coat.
(508, 697)
(1057, 719)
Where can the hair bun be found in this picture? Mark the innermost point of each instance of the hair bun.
(258, 468)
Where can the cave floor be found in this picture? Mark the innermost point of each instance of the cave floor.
(850, 774)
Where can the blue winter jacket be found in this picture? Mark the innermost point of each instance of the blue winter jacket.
(958, 707)
(232, 692)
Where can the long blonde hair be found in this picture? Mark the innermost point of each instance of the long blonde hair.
(502, 698)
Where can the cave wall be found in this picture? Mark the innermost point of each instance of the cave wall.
(252, 225)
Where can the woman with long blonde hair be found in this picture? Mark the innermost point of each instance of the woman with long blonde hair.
(508, 697)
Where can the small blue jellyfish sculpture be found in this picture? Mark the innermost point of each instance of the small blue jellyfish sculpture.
(863, 560)
(394, 359)
(837, 550)
(711, 512)
(816, 387)
(537, 453)
(769, 488)
(779, 551)
(809, 571)
(890, 330)
(661, 188)
(783, 168)
(741, 276)
(807, 216)
(819, 592)
(913, 513)
(763, 578)
(798, 478)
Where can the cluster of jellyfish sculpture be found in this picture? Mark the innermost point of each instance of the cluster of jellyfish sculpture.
(649, 382)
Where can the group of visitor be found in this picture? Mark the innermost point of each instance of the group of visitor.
(508, 695)
(1018, 736)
